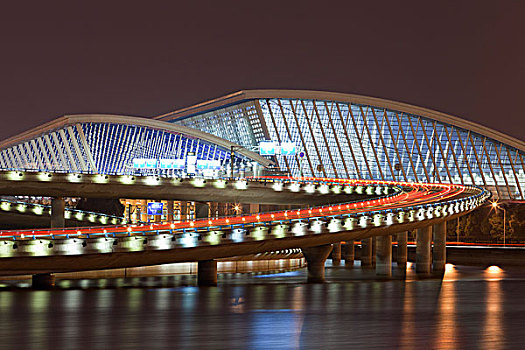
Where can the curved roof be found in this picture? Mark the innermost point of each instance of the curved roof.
(139, 121)
(245, 95)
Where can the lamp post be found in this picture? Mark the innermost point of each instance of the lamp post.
(496, 206)
(232, 157)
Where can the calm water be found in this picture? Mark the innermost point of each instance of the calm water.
(471, 308)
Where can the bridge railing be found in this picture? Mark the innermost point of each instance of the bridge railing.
(40, 209)
(422, 211)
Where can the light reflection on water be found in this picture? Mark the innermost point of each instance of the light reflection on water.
(469, 308)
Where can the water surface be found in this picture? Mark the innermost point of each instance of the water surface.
(470, 308)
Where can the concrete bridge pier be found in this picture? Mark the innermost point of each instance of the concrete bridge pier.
(336, 254)
(183, 210)
(207, 273)
(222, 209)
(423, 251)
(170, 211)
(384, 256)
(315, 259)
(366, 252)
(402, 254)
(58, 208)
(349, 254)
(43, 281)
(402, 239)
(374, 248)
(202, 210)
(439, 253)
(254, 208)
(144, 210)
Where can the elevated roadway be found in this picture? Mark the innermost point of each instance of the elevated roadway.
(391, 208)
(18, 183)
(20, 214)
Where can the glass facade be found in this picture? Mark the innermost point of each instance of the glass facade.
(239, 124)
(339, 139)
(348, 140)
(106, 148)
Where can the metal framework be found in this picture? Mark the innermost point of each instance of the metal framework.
(348, 136)
(108, 145)
(341, 135)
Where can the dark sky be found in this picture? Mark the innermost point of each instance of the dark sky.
(145, 58)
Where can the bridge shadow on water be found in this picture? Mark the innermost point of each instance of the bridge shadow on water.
(469, 308)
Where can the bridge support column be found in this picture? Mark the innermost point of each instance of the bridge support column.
(374, 249)
(384, 256)
(349, 253)
(336, 254)
(254, 208)
(423, 240)
(43, 281)
(213, 209)
(170, 216)
(221, 209)
(157, 218)
(366, 252)
(402, 238)
(315, 259)
(183, 210)
(144, 210)
(439, 251)
(207, 273)
(58, 207)
(137, 215)
(202, 210)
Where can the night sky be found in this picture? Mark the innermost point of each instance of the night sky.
(466, 58)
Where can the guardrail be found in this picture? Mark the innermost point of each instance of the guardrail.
(69, 213)
(435, 201)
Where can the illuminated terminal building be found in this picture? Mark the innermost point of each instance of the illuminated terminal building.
(109, 144)
(298, 133)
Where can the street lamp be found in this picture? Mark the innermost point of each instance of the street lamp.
(496, 206)
(232, 157)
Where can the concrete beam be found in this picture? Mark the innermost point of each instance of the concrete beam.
(160, 188)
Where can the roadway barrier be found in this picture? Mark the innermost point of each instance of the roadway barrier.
(395, 206)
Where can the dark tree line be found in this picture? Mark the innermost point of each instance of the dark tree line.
(485, 225)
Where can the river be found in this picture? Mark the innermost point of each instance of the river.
(471, 307)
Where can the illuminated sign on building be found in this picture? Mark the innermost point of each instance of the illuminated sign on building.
(155, 208)
(191, 164)
(267, 148)
(288, 149)
(172, 164)
(140, 163)
(271, 148)
(203, 164)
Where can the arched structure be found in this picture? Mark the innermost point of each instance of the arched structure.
(350, 136)
(109, 144)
